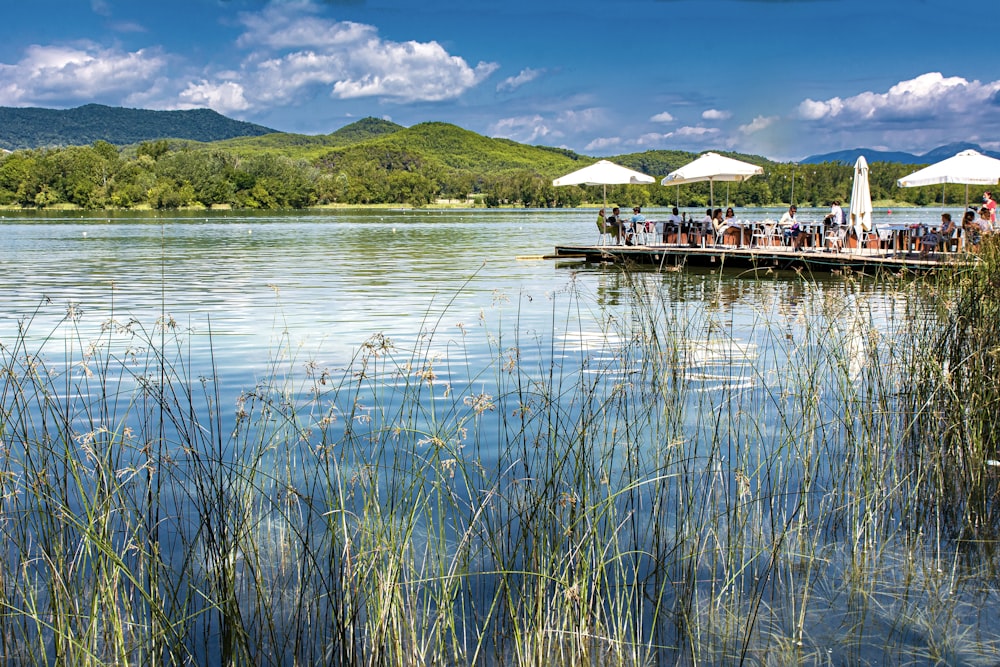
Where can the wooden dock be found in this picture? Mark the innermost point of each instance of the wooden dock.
(767, 258)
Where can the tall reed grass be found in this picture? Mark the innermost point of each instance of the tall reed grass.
(761, 472)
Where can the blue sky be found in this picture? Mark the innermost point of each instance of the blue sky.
(780, 78)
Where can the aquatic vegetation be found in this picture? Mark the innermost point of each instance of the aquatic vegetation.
(646, 486)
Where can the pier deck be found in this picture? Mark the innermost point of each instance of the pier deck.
(764, 258)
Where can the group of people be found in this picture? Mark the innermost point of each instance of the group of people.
(622, 227)
(716, 225)
(722, 226)
(975, 223)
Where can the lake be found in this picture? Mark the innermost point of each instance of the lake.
(329, 279)
(678, 467)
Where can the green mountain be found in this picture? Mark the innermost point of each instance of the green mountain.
(370, 161)
(454, 148)
(33, 127)
(305, 146)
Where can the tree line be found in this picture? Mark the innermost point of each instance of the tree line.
(165, 175)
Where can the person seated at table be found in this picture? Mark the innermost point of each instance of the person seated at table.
(672, 226)
(619, 226)
(929, 242)
(986, 220)
(700, 230)
(607, 226)
(788, 220)
(637, 216)
(638, 221)
(947, 231)
(835, 218)
(625, 227)
(796, 235)
(973, 231)
(718, 225)
(735, 229)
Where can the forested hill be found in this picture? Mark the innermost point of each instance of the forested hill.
(33, 127)
(375, 161)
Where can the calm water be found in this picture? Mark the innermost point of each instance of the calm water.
(329, 279)
(312, 288)
(248, 289)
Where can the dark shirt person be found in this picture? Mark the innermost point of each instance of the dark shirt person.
(616, 222)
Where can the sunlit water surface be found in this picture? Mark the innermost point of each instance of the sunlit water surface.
(311, 288)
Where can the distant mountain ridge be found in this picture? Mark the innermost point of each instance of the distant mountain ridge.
(35, 127)
(872, 155)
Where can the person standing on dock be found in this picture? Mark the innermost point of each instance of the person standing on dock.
(991, 206)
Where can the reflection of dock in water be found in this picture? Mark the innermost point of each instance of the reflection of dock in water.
(766, 258)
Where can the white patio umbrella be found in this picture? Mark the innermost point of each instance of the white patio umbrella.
(712, 167)
(968, 167)
(604, 173)
(860, 211)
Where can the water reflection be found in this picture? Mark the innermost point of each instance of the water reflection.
(717, 428)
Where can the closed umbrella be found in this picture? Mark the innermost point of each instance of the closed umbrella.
(712, 167)
(860, 211)
(968, 167)
(604, 173)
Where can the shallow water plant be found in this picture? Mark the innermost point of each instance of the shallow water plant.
(763, 471)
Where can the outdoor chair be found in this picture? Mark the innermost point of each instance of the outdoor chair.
(881, 239)
(954, 242)
(766, 234)
(605, 237)
(837, 239)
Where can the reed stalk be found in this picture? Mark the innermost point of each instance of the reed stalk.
(724, 471)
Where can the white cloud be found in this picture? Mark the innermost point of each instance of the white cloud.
(926, 96)
(527, 75)
(524, 129)
(715, 114)
(663, 117)
(87, 72)
(292, 54)
(296, 25)
(100, 7)
(688, 131)
(601, 144)
(581, 119)
(224, 97)
(757, 124)
(301, 50)
(651, 139)
(813, 110)
(914, 115)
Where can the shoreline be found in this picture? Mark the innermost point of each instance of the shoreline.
(440, 204)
